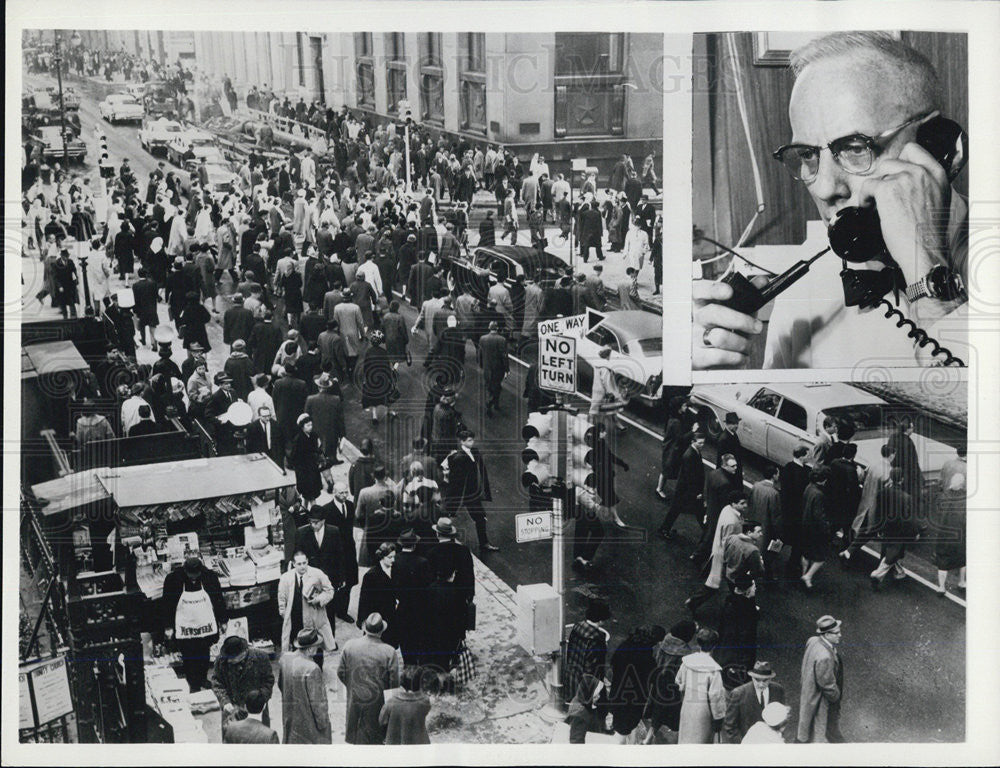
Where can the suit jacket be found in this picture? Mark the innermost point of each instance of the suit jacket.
(328, 556)
(249, 730)
(493, 357)
(744, 710)
(257, 442)
(344, 523)
(237, 323)
(313, 616)
(468, 479)
(327, 412)
(305, 712)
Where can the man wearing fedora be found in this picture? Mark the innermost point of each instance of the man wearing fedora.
(305, 713)
(321, 543)
(239, 673)
(729, 443)
(748, 701)
(769, 729)
(368, 667)
(327, 410)
(217, 405)
(449, 554)
(822, 685)
(411, 577)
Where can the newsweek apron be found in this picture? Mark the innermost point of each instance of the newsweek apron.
(195, 616)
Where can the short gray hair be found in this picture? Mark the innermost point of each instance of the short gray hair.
(882, 51)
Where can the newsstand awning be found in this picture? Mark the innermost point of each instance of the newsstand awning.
(179, 481)
(71, 492)
(51, 357)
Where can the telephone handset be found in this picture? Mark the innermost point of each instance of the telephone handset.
(856, 235)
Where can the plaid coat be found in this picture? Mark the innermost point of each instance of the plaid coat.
(586, 654)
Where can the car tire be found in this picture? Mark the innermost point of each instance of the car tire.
(710, 423)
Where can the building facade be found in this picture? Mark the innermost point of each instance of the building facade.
(566, 95)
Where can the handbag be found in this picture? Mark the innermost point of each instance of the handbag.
(470, 616)
(464, 667)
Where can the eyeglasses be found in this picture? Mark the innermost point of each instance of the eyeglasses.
(854, 153)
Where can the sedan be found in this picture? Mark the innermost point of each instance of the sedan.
(505, 263)
(200, 143)
(120, 107)
(155, 135)
(636, 341)
(775, 418)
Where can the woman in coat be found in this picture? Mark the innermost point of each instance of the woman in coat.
(124, 250)
(65, 295)
(378, 377)
(378, 595)
(307, 459)
(700, 681)
(737, 650)
(194, 317)
(815, 530)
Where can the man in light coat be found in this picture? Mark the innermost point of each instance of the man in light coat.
(305, 713)
(303, 593)
(368, 667)
(822, 685)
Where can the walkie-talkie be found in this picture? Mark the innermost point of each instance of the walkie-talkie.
(748, 298)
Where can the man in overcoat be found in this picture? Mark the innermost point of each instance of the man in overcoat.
(822, 685)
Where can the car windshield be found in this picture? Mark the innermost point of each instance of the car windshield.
(171, 128)
(867, 419)
(201, 141)
(127, 100)
(651, 346)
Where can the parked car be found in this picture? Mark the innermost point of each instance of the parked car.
(50, 141)
(119, 107)
(71, 99)
(636, 341)
(775, 418)
(155, 134)
(505, 262)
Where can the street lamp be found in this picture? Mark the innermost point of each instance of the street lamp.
(57, 59)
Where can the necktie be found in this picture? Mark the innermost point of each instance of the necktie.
(296, 608)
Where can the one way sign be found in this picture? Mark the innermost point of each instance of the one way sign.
(557, 350)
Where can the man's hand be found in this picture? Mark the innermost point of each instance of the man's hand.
(720, 327)
(169, 634)
(913, 198)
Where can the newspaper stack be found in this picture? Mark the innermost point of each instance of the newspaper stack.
(267, 559)
(240, 571)
(150, 579)
(168, 695)
(214, 563)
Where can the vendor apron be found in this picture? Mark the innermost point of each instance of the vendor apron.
(195, 617)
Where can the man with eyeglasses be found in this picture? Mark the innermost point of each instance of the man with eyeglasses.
(857, 103)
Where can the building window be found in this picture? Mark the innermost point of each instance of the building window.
(365, 67)
(395, 69)
(472, 81)
(431, 78)
(300, 59)
(589, 84)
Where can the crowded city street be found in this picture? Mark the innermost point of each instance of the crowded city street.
(341, 321)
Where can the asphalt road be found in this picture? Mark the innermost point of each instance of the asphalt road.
(903, 648)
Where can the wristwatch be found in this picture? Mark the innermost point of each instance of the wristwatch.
(940, 283)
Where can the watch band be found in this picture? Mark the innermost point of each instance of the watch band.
(939, 283)
(917, 290)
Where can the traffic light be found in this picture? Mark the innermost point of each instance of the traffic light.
(580, 434)
(540, 454)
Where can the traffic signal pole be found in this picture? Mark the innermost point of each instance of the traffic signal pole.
(560, 442)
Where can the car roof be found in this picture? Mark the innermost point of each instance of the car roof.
(525, 254)
(632, 324)
(823, 396)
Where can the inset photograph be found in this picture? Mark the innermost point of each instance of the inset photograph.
(830, 200)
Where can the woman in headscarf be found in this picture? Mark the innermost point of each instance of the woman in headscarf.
(307, 460)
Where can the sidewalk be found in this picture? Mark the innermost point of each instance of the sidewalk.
(500, 706)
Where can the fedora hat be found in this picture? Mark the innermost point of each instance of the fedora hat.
(307, 638)
(761, 671)
(374, 625)
(324, 381)
(445, 527)
(408, 538)
(826, 624)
